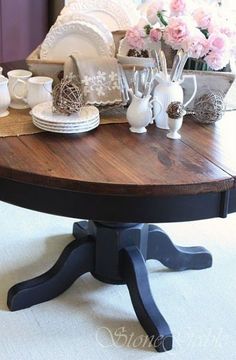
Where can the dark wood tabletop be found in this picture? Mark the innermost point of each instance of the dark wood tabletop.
(112, 162)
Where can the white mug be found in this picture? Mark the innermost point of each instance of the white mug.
(1, 69)
(5, 98)
(38, 90)
(15, 76)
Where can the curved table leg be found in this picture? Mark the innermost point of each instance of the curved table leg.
(136, 277)
(76, 259)
(160, 247)
(80, 230)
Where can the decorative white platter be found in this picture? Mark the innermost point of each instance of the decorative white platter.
(62, 41)
(90, 20)
(115, 14)
(44, 118)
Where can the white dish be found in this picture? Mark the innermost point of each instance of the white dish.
(63, 40)
(91, 20)
(135, 61)
(124, 47)
(66, 130)
(115, 14)
(66, 126)
(44, 112)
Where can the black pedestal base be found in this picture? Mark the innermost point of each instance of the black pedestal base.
(116, 254)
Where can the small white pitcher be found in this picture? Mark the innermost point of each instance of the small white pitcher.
(139, 113)
(166, 92)
(5, 98)
(38, 89)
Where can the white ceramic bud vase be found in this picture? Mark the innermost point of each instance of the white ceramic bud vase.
(174, 126)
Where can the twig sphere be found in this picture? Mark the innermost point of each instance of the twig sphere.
(67, 96)
(176, 110)
(209, 108)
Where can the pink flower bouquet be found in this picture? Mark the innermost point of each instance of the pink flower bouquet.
(203, 32)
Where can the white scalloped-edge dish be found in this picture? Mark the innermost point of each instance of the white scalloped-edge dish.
(44, 112)
(115, 14)
(66, 126)
(62, 41)
(91, 20)
(66, 130)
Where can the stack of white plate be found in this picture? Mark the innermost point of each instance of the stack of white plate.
(44, 118)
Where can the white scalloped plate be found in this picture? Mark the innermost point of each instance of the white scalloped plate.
(63, 40)
(115, 14)
(44, 112)
(66, 129)
(66, 125)
(91, 20)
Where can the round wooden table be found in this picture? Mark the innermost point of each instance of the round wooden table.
(121, 182)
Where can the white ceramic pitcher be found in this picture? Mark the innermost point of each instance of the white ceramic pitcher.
(166, 92)
(5, 98)
(139, 113)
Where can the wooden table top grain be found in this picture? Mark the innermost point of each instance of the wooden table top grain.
(111, 160)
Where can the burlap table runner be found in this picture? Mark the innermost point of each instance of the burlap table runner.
(19, 122)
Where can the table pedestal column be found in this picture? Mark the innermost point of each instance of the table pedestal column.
(115, 253)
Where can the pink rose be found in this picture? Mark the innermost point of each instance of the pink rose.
(217, 60)
(218, 42)
(177, 7)
(134, 38)
(153, 10)
(222, 26)
(177, 32)
(203, 17)
(155, 35)
(196, 45)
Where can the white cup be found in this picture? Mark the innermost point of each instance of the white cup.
(38, 90)
(19, 78)
(4, 97)
(1, 69)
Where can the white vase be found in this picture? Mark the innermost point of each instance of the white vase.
(4, 97)
(174, 126)
(166, 92)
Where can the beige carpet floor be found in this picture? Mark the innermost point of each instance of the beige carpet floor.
(96, 321)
